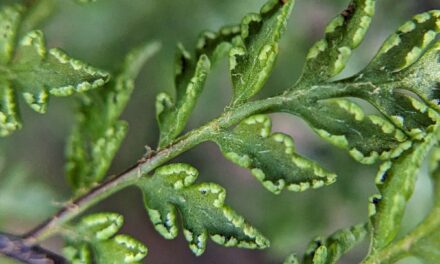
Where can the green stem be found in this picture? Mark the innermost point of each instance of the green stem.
(231, 117)
(145, 165)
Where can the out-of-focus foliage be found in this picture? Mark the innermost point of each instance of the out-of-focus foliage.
(99, 133)
(22, 197)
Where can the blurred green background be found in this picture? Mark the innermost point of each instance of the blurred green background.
(32, 183)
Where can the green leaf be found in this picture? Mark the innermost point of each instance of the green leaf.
(407, 45)
(190, 75)
(10, 18)
(255, 51)
(328, 57)
(97, 242)
(38, 73)
(255, 46)
(28, 68)
(421, 242)
(201, 207)
(426, 246)
(331, 249)
(271, 157)
(344, 124)
(395, 181)
(405, 93)
(9, 117)
(99, 132)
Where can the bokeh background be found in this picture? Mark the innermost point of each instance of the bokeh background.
(32, 182)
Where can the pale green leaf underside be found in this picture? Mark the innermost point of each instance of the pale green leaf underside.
(396, 181)
(99, 132)
(201, 206)
(256, 49)
(97, 242)
(271, 157)
(426, 247)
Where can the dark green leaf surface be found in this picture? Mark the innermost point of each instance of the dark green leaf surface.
(404, 93)
(171, 191)
(271, 157)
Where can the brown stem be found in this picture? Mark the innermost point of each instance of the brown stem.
(13, 247)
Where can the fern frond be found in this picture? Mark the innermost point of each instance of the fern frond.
(252, 48)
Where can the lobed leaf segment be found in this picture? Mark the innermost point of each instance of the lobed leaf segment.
(96, 241)
(28, 68)
(201, 207)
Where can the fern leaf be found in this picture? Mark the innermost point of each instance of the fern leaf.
(405, 47)
(97, 242)
(255, 40)
(344, 124)
(99, 132)
(421, 242)
(10, 18)
(426, 246)
(407, 60)
(271, 157)
(329, 250)
(255, 51)
(202, 209)
(38, 73)
(191, 73)
(396, 180)
(28, 68)
(9, 118)
(405, 117)
(328, 57)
